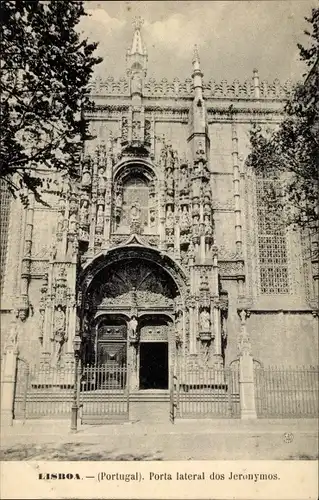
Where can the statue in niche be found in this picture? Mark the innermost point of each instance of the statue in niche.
(72, 223)
(101, 179)
(184, 220)
(152, 218)
(118, 199)
(169, 219)
(204, 321)
(196, 225)
(132, 328)
(183, 180)
(179, 327)
(135, 212)
(208, 226)
(86, 176)
(84, 212)
(99, 217)
(169, 179)
(136, 84)
(59, 334)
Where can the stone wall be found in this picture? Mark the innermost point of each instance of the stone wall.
(283, 338)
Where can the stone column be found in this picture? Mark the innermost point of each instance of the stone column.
(133, 366)
(193, 319)
(236, 184)
(246, 371)
(9, 377)
(218, 334)
(48, 317)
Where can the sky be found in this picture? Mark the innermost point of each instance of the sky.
(233, 37)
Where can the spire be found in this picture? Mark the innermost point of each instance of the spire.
(197, 74)
(136, 56)
(196, 60)
(137, 45)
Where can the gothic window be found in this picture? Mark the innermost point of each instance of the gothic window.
(136, 190)
(4, 227)
(272, 244)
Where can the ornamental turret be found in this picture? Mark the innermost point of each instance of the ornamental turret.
(136, 59)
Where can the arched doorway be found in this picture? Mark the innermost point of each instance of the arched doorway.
(129, 318)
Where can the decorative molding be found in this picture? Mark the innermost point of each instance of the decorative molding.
(184, 88)
(39, 268)
(232, 269)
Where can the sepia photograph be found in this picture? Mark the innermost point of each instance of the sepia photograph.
(159, 249)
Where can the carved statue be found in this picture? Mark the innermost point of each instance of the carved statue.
(169, 219)
(118, 199)
(23, 313)
(183, 180)
(72, 223)
(135, 212)
(132, 327)
(99, 217)
(84, 212)
(136, 84)
(86, 178)
(208, 226)
(101, 181)
(59, 334)
(169, 179)
(184, 220)
(205, 321)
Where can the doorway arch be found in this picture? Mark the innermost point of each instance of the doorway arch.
(133, 282)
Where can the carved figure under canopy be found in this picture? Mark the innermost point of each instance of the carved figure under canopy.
(84, 212)
(169, 219)
(136, 84)
(132, 327)
(59, 334)
(86, 178)
(184, 220)
(72, 223)
(205, 321)
(135, 212)
(100, 216)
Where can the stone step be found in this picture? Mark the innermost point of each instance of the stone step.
(150, 395)
(149, 411)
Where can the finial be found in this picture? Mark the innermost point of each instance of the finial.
(138, 22)
(196, 54)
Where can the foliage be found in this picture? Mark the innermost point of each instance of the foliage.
(290, 153)
(46, 68)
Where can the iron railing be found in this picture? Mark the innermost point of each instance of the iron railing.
(286, 392)
(204, 392)
(42, 391)
(104, 394)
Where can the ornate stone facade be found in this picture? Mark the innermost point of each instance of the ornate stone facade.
(158, 240)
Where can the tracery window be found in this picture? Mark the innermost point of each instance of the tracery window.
(272, 244)
(4, 227)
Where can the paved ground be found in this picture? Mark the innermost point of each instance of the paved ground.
(188, 440)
